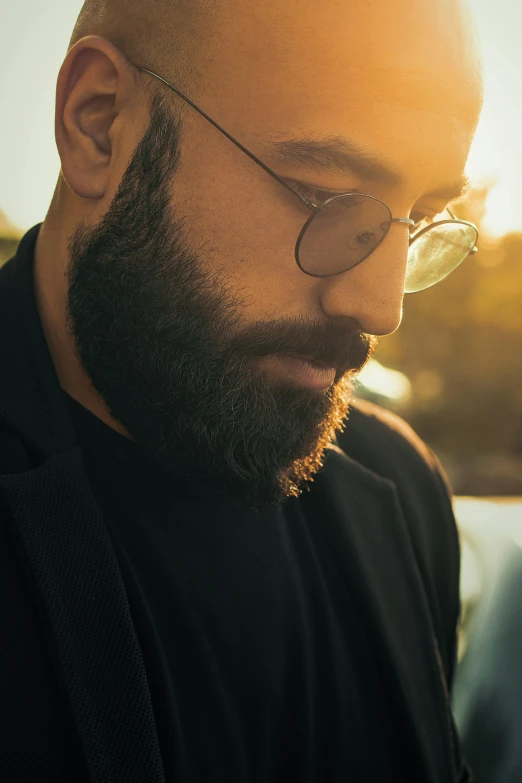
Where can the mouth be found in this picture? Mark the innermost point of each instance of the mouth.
(302, 370)
(309, 360)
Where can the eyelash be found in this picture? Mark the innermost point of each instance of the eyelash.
(316, 196)
(319, 197)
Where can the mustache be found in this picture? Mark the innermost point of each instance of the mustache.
(331, 344)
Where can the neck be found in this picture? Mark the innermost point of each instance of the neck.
(50, 284)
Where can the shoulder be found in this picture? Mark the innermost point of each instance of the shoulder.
(387, 446)
(14, 457)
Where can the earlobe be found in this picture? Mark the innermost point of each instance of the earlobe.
(89, 97)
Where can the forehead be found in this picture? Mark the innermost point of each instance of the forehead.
(399, 79)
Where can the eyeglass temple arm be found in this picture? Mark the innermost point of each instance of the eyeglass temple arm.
(253, 157)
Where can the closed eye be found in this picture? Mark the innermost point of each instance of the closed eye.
(319, 197)
(315, 195)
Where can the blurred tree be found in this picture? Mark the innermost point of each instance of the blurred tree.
(9, 238)
(460, 344)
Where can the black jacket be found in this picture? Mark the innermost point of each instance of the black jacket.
(75, 703)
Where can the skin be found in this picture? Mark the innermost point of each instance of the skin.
(401, 81)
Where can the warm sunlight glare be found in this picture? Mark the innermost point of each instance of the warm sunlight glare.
(34, 38)
(496, 155)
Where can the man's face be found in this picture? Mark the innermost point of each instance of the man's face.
(187, 292)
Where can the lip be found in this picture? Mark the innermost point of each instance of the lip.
(306, 372)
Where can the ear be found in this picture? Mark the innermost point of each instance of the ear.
(96, 86)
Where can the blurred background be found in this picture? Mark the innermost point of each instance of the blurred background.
(454, 368)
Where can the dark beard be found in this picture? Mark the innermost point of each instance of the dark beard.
(160, 337)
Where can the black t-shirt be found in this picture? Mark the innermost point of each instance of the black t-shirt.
(259, 664)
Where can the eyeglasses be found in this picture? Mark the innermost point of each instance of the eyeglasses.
(344, 230)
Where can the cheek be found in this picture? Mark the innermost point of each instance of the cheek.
(254, 245)
(244, 224)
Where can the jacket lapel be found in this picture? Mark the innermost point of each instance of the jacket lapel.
(389, 589)
(65, 548)
(75, 576)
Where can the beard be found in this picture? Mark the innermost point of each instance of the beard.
(161, 339)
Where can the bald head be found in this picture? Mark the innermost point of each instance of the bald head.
(398, 83)
(377, 76)
(187, 39)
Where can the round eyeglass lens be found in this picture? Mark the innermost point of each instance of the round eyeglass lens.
(436, 252)
(342, 234)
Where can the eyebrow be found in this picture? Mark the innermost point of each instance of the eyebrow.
(341, 157)
(452, 191)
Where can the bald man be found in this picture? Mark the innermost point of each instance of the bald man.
(197, 583)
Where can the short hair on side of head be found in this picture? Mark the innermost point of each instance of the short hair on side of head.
(164, 36)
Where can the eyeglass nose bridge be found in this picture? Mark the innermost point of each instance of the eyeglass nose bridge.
(408, 221)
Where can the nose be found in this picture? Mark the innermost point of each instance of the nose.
(372, 292)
